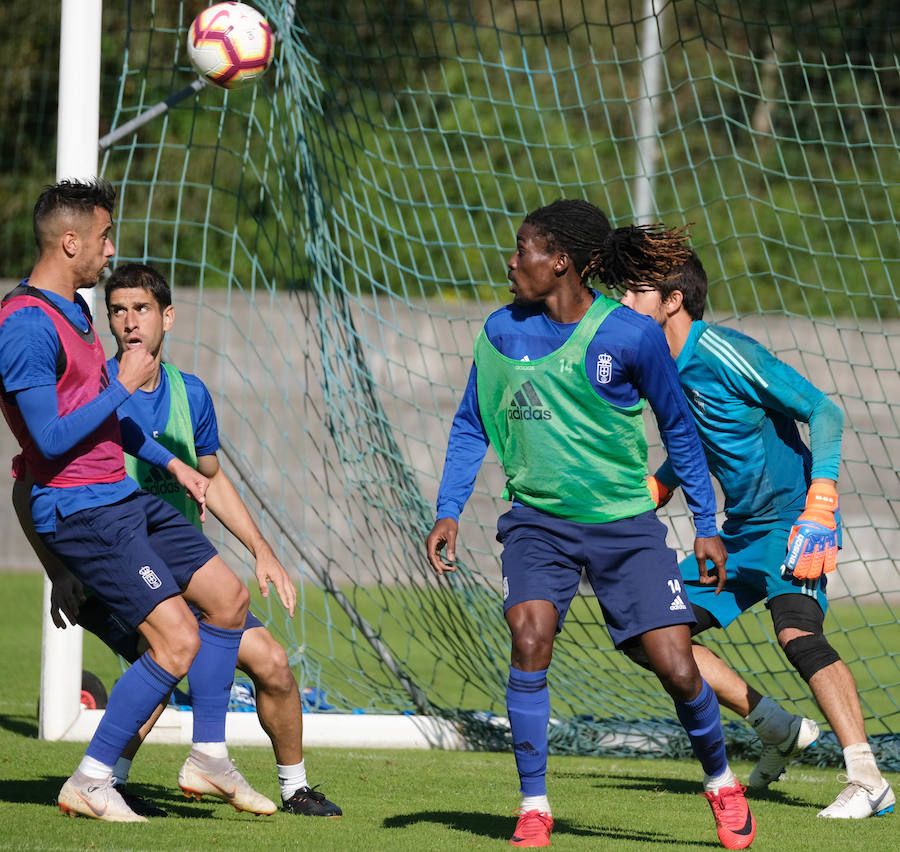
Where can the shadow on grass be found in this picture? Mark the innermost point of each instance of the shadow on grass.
(43, 791)
(501, 828)
(32, 791)
(25, 726)
(682, 786)
(176, 804)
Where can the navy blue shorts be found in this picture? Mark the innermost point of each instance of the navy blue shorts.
(94, 615)
(133, 554)
(633, 573)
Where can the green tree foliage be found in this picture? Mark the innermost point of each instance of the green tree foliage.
(431, 128)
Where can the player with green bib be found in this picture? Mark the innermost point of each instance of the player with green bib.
(557, 389)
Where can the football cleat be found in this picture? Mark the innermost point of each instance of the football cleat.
(202, 775)
(89, 797)
(533, 829)
(308, 801)
(774, 757)
(734, 822)
(858, 801)
(140, 805)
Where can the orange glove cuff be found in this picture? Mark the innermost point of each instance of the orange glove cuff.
(658, 491)
(821, 504)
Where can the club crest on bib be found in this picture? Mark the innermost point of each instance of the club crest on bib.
(604, 368)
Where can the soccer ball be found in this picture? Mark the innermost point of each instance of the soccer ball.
(230, 44)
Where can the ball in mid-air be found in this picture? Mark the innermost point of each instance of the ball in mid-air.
(230, 44)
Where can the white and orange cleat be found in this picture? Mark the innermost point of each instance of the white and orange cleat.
(202, 775)
(83, 796)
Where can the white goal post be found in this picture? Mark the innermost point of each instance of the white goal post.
(61, 714)
(76, 157)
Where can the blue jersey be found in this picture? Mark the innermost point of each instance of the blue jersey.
(746, 403)
(29, 347)
(150, 409)
(627, 360)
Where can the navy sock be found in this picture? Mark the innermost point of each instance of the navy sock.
(132, 700)
(528, 707)
(210, 678)
(702, 721)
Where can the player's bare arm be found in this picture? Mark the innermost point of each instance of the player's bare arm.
(225, 503)
(443, 534)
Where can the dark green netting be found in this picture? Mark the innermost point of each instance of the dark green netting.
(337, 234)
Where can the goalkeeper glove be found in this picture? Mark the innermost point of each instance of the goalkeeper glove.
(659, 491)
(812, 545)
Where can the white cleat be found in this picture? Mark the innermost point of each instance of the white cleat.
(217, 776)
(858, 801)
(775, 756)
(83, 796)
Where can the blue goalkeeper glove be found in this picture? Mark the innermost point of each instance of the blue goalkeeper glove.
(812, 545)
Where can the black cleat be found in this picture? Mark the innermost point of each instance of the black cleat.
(308, 801)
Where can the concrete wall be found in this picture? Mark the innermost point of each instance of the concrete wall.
(283, 405)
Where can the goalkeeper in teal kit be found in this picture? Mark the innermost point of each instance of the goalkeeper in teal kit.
(782, 525)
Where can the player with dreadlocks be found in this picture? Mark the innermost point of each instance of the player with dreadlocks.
(781, 523)
(557, 388)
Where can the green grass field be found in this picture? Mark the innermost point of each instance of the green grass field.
(392, 800)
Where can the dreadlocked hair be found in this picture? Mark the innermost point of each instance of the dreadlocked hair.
(575, 227)
(645, 253)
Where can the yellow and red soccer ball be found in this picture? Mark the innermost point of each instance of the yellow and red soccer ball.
(230, 44)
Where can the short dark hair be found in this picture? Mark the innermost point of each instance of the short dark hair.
(575, 227)
(690, 278)
(76, 196)
(655, 256)
(139, 275)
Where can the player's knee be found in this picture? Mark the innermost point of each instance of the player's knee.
(532, 648)
(241, 603)
(231, 608)
(177, 650)
(810, 654)
(680, 678)
(796, 612)
(268, 667)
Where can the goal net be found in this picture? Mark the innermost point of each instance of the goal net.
(336, 235)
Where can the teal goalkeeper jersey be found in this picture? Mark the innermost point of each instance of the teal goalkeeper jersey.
(746, 403)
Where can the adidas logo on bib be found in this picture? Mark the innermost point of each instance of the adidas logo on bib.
(527, 405)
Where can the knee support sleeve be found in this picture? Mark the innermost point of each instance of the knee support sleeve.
(798, 611)
(810, 654)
